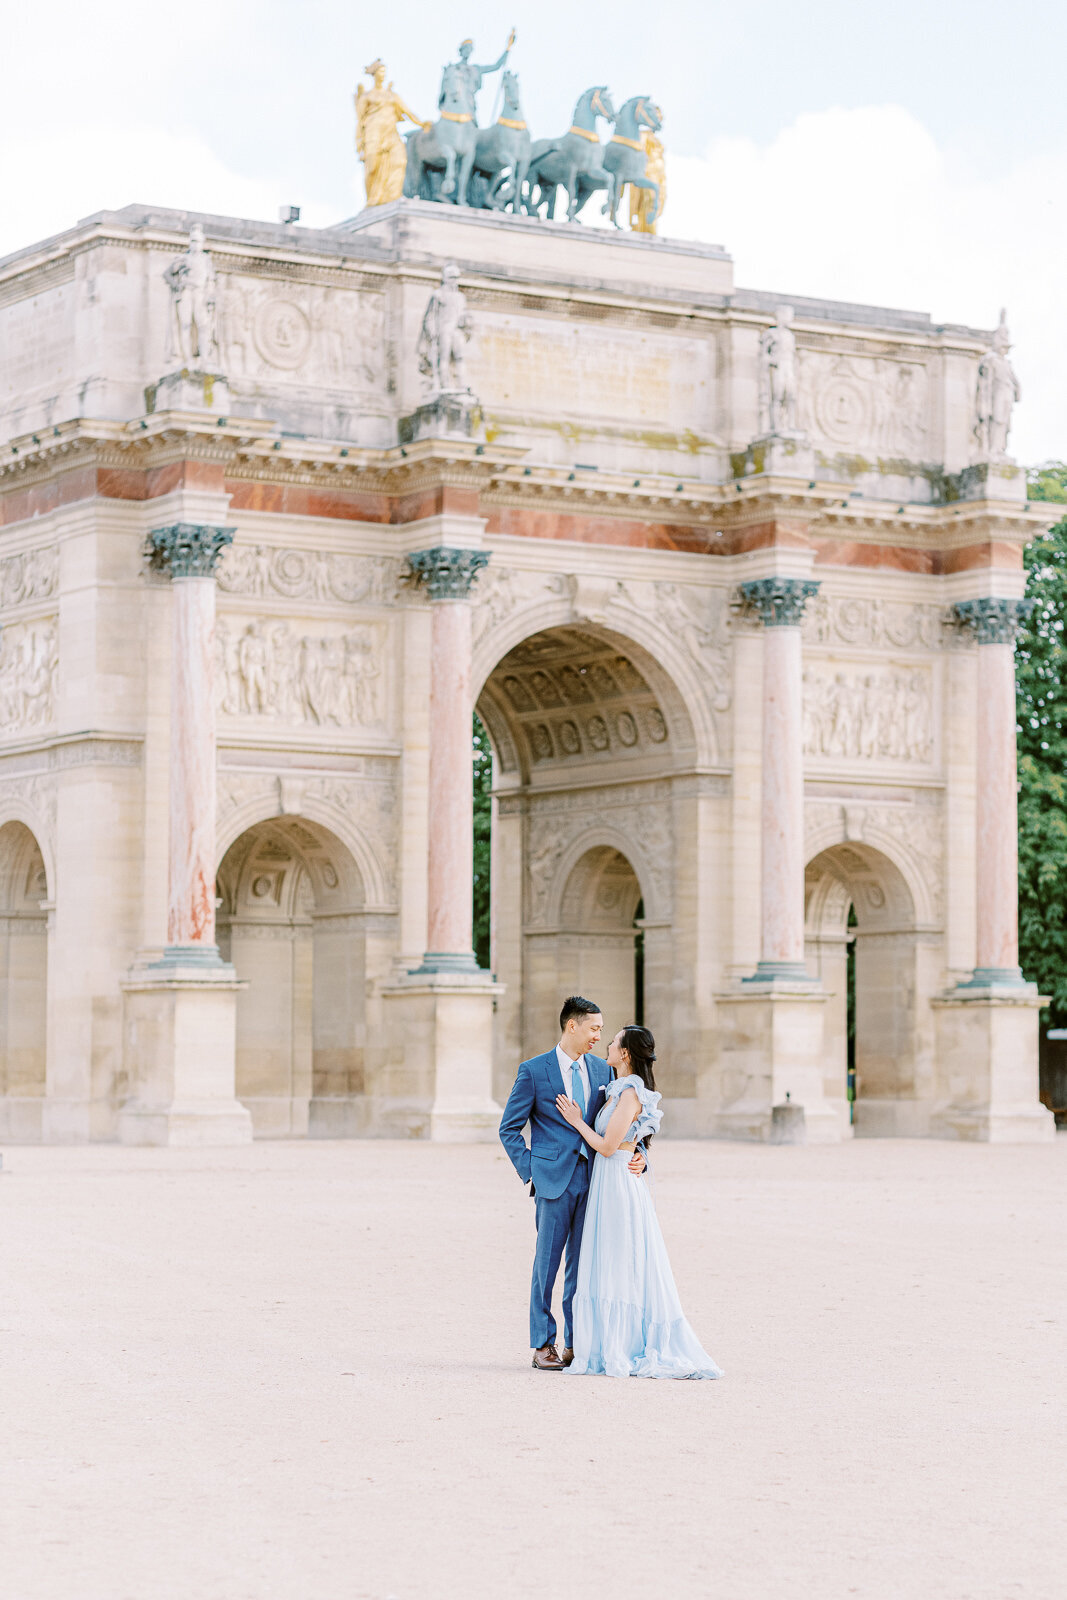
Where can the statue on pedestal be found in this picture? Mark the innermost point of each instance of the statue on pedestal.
(192, 330)
(778, 376)
(446, 327)
(380, 147)
(996, 393)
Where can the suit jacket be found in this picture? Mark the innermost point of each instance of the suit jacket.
(555, 1147)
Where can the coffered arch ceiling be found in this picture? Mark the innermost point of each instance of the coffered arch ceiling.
(577, 698)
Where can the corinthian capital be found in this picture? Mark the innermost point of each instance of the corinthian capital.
(992, 619)
(187, 549)
(446, 574)
(780, 602)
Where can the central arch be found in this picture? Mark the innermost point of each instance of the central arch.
(589, 732)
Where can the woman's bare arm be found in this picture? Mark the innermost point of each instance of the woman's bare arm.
(618, 1123)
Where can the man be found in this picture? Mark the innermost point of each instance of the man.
(472, 74)
(556, 1164)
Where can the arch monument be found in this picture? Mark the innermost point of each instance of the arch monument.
(732, 585)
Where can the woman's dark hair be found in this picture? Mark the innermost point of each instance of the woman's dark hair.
(641, 1049)
(576, 1005)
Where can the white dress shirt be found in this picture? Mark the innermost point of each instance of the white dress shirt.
(566, 1068)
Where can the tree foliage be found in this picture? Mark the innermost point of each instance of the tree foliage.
(483, 785)
(1041, 689)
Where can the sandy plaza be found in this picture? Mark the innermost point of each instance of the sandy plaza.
(299, 1372)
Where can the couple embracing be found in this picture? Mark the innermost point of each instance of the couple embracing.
(590, 1124)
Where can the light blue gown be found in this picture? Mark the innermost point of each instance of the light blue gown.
(628, 1320)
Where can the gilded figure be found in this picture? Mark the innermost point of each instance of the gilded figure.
(384, 155)
(645, 212)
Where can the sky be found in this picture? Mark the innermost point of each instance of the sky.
(912, 155)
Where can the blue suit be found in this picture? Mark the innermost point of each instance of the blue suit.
(552, 1163)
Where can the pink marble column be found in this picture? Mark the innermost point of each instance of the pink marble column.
(190, 554)
(780, 604)
(447, 575)
(996, 622)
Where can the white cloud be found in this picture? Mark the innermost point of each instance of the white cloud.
(862, 205)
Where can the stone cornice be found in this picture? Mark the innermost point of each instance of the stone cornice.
(251, 449)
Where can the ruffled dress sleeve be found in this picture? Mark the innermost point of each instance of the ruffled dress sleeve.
(650, 1116)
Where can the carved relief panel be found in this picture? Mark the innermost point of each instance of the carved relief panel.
(865, 404)
(324, 576)
(327, 675)
(29, 663)
(868, 714)
(310, 333)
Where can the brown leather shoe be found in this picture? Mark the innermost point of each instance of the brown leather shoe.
(567, 1357)
(546, 1359)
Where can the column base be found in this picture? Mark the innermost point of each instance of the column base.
(464, 962)
(771, 1038)
(179, 1041)
(987, 1064)
(448, 1046)
(781, 973)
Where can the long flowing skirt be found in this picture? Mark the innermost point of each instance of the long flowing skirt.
(628, 1319)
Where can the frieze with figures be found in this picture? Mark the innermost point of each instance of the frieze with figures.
(329, 577)
(877, 714)
(267, 670)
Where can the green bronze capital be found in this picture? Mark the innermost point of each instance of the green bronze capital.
(187, 549)
(444, 573)
(993, 620)
(780, 602)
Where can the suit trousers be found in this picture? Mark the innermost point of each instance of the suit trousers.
(559, 1223)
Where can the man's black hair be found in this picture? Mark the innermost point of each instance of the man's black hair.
(576, 1005)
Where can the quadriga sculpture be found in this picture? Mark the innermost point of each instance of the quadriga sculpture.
(502, 155)
(574, 162)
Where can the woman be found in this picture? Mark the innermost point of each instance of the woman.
(628, 1320)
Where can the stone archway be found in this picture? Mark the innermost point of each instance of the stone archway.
(588, 734)
(893, 1049)
(291, 922)
(23, 983)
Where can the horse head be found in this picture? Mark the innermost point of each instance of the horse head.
(512, 102)
(639, 112)
(595, 102)
(453, 90)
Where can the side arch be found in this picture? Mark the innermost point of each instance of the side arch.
(377, 892)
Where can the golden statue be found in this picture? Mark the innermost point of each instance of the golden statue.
(381, 149)
(644, 216)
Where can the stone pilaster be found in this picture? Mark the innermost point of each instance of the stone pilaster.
(995, 623)
(447, 575)
(180, 1012)
(772, 1023)
(780, 603)
(447, 1002)
(987, 1028)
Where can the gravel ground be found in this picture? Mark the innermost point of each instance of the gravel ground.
(299, 1372)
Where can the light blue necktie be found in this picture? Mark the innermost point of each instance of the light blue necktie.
(577, 1092)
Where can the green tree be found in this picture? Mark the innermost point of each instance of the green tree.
(1041, 689)
(483, 784)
